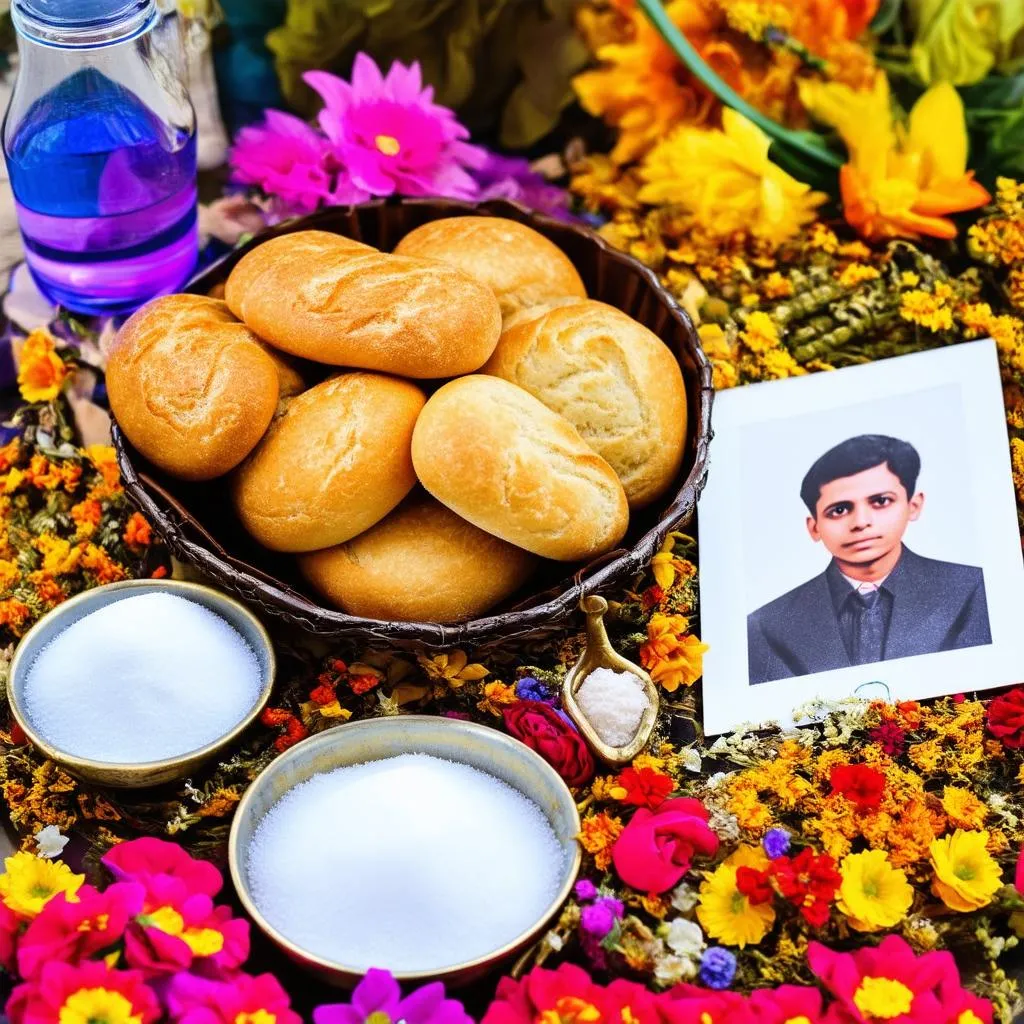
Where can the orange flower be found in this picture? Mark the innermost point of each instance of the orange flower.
(14, 613)
(105, 462)
(9, 454)
(87, 515)
(899, 184)
(41, 372)
(598, 833)
(98, 562)
(673, 656)
(137, 531)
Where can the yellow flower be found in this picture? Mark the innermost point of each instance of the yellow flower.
(724, 912)
(856, 273)
(908, 279)
(873, 894)
(665, 565)
(760, 333)
(963, 808)
(778, 363)
(926, 309)
(673, 657)
(725, 179)
(598, 833)
(899, 184)
(88, 1005)
(202, 941)
(41, 371)
(497, 696)
(451, 668)
(29, 882)
(882, 998)
(966, 876)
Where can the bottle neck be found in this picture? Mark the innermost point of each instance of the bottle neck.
(35, 25)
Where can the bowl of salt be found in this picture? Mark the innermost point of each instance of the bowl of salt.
(431, 847)
(613, 702)
(137, 683)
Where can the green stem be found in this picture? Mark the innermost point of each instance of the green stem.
(688, 55)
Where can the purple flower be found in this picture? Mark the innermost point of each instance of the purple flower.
(529, 688)
(378, 996)
(776, 843)
(597, 920)
(717, 968)
(585, 890)
(391, 137)
(615, 906)
(461, 716)
(510, 177)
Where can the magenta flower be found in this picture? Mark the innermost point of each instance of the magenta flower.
(141, 859)
(510, 177)
(73, 932)
(192, 1000)
(391, 137)
(378, 996)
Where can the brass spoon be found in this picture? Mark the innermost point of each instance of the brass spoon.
(599, 653)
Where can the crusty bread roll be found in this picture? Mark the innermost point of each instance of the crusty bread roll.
(345, 304)
(290, 381)
(190, 386)
(422, 563)
(517, 263)
(614, 380)
(336, 461)
(502, 460)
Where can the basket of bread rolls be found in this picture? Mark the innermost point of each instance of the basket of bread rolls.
(425, 421)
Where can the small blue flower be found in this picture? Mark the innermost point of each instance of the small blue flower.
(529, 688)
(776, 843)
(717, 968)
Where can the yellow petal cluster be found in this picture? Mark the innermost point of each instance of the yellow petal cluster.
(873, 894)
(966, 875)
(29, 883)
(724, 912)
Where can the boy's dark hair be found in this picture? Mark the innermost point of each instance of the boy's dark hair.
(857, 454)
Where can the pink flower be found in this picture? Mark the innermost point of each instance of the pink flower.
(688, 1004)
(72, 932)
(10, 926)
(192, 1000)
(786, 1003)
(378, 997)
(655, 849)
(890, 981)
(140, 859)
(1018, 878)
(70, 992)
(391, 137)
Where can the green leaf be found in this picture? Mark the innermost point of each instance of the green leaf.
(885, 17)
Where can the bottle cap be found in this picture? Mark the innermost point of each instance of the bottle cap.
(82, 23)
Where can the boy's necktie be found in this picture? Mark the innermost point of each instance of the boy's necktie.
(869, 629)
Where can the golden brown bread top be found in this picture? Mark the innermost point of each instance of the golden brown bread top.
(498, 457)
(613, 379)
(335, 462)
(345, 304)
(190, 386)
(518, 264)
(422, 563)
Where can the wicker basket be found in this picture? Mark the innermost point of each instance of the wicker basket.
(199, 526)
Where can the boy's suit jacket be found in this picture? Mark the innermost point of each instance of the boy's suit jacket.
(937, 606)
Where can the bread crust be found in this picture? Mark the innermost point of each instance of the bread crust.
(502, 460)
(190, 386)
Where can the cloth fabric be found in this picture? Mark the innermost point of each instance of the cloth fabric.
(926, 606)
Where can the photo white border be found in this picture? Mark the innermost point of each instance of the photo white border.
(729, 700)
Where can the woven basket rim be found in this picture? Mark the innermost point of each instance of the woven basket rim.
(171, 520)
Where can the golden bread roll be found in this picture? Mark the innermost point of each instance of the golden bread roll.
(336, 461)
(528, 313)
(346, 304)
(190, 386)
(290, 381)
(422, 563)
(501, 459)
(614, 380)
(517, 263)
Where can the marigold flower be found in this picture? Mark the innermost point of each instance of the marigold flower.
(899, 185)
(724, 912)
(30, 882)
(857, 273)
(966, 875)
(41, 372)
(873, 894)
(963, 808)
(644, 787)
(598, 833)
(673, 657)
(926, 309)
(137, 531)
(497, 696)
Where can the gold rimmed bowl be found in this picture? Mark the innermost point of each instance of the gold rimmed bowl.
(375, 739)
(599, 653)
(148, 773)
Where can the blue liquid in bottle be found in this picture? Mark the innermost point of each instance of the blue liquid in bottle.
(106, 196)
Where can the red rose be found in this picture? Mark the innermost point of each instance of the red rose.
(860, 785)
(1006, 718)
(654, 850)
(541, 728)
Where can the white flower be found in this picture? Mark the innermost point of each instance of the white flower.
(684, 899)
(49, 842)
(690, 759)
(685, 937)
(670, 970)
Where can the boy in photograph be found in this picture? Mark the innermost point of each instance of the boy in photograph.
(876, 600)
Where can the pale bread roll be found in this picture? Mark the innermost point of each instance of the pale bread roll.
(518, 264)
(613, 379)
(190, 386)
(336, 461)
(502, 460)
(422, 563)
(343, 303)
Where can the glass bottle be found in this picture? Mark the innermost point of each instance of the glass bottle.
(99, 140)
